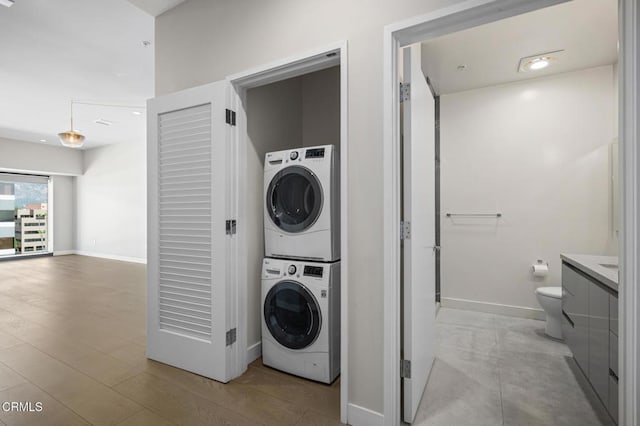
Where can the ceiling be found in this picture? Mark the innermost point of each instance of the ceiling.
(587, 31)
(156, 7)
(85, 50)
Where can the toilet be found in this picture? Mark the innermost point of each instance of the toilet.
(550, 298)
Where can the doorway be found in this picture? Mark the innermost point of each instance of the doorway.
(403, 34)
(204, 235)
(292, 83)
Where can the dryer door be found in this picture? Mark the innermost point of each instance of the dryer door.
(292, 315)
(294, 199)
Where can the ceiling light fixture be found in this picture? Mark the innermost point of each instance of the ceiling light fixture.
(73, 139)
(43, 140)
(7, 3)
(70, 138)
(537, 62)
(136, 113)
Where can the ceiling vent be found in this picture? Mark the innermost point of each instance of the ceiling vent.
(103, 122)
(7, 3)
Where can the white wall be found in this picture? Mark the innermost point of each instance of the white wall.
(301, 111)
(202, 41)
(111, 201)
(538, 152)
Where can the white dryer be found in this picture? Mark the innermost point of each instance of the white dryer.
(301, 318)
(302, 204)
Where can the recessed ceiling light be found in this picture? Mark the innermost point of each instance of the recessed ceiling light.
(537, 62)
(136, 113)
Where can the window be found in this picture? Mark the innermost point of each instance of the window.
(23, 214)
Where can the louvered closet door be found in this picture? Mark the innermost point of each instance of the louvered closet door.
(187, 266)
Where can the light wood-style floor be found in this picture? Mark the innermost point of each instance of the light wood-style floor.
(72, 336)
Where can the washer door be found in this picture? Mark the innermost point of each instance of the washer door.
(292, 315)
(294, 199)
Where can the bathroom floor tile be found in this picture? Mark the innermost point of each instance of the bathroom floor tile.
(467, 338)
(498, 370)
(454, 397)
(466, 318)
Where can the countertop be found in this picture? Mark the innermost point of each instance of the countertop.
(592, 266)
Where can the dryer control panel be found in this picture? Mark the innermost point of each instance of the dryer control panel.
(313, 271)
(314, 153)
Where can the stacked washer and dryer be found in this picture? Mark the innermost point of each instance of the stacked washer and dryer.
(301, 269)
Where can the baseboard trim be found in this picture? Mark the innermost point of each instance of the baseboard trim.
(357, 416)
(253, 352)
(493, 308)
(111, 256)
(63, 252)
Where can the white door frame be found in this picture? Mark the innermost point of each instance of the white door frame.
(315, 60)
(462, 16)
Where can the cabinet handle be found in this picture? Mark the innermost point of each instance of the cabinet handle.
(614, 375)
(568, 319)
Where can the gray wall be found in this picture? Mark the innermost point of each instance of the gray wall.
(274, 123)
(302, 111)
(32, 157)
(202, 41)
(64, 214)
(321, 108)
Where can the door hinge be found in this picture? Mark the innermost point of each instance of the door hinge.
(230, 117)
(231, 227)
(405, 230)
(405, 92)
(405, 369)
(231, 337)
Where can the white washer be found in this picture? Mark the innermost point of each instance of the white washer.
(301, 318)
(302, 204)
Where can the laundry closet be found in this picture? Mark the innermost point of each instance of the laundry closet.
(220, 294)
(297, 123)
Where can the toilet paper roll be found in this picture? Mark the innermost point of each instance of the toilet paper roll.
(540, 270)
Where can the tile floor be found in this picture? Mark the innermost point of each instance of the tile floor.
(72, 336)
(498, 370)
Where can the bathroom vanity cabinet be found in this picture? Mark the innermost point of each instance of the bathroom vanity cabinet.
(590, 326)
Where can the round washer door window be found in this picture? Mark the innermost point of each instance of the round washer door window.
(294, 199)
(292, 315)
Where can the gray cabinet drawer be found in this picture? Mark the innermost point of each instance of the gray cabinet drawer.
(613, 353)
(613, 314)
(599, 340)
(575, 306)
(571, 280)
(612, 405)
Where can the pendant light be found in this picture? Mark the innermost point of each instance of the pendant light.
(70, 138)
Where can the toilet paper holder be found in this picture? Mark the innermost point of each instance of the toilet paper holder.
(540, 269)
